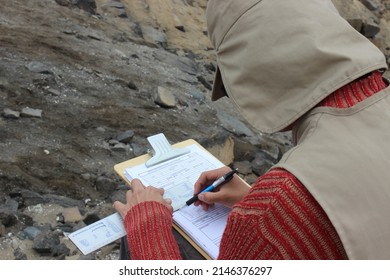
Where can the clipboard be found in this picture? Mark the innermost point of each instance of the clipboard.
(162, 151)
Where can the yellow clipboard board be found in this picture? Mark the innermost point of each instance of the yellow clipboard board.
(121, 167)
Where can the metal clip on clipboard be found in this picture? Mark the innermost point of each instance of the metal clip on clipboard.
(162, 150)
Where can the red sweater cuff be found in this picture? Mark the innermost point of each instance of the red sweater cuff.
(149, 232)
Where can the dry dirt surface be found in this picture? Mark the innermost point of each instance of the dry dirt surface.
(91, 81)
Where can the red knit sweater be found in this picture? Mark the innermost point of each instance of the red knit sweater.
(278, 219)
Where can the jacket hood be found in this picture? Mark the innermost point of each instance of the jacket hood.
(277, 59)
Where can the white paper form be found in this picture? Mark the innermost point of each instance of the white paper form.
(178, 176)
(98, 234)
(204, 227)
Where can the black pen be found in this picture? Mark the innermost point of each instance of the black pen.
(225, 178)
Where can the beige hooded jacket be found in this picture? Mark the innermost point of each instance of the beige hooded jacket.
(276, 60)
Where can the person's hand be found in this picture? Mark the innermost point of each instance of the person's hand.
(228, 194)
(140, 193)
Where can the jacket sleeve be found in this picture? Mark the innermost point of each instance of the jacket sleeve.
(149, 232)
(279, 219)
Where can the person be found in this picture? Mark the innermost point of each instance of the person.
(291, 65)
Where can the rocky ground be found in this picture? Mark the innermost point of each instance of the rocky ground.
(84, 82)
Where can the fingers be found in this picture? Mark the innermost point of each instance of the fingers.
(205, 179)
(117, 205)
(136, 185)
(161, 191)
(208, 197)
(120, 208)
(139, 193)
(208, 177)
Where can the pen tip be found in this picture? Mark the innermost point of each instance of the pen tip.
(180, 207)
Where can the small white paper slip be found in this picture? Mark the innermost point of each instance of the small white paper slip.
(98, 234)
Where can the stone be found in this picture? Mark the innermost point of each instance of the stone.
(10, 114)
(165, 98)
(28, 197)
(132, 85)
(60, 250)
(370, 29)
(3, 82)
(105, 185)
(91, 218)
(87, 5)
(113, 142)
(64, 201)
(86, 176)
(178, 24)
(120, 147)
(11, 204)
(7, 218)
(31, 232)
(197, 95)
(71, 215)
(222, 149)
(370, 4)
(62, 2)
(155, 36)
(38, 67)
(204, 82)
(43, 213)
(185, 64)
(234, 124)
(54, 92)
(31, 113)
(138, 149)
(115, 9)
(125, 137)
(100, 129)
(244, 167)
(45, 242)
(356, 23)
(2, 230)
(261, 163)
(244, 151)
